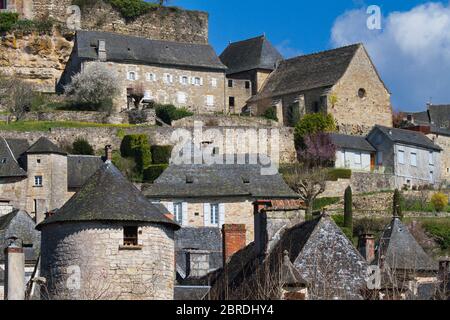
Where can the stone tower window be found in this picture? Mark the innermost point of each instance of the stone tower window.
(362, 93)
(130, 236)
(38, 181)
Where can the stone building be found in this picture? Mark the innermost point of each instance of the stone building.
(353, 152)
(414, 159)
(406, 270)
(435, 124)
(40, 177)
(343, 82)
(23, 7)
(183, 74)
(19, 224)
(249, 64)
(213, 195)
(108, 242)
(292, 260)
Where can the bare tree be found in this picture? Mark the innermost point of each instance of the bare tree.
(308, 182)
(137, 93)
(95, 84)
(16, 96)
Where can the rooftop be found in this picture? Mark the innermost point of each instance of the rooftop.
(351, 142)
(408, 137)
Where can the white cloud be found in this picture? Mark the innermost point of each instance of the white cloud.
(412, 51)
(287, 50)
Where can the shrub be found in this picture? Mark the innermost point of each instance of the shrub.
(161, 154)
(348, 208)
(321, 203)
(335, 174)
(82, 146)
(153, 172)
(131, 9)
(440, 230)
(96, 84)
(439, 201)
(169, 113)
(137, 146)
(312, 124)
(7, 20)
(397, 207)
(271, 114)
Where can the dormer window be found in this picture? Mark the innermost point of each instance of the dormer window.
(3, 160)
(130, 236)
(131, 76)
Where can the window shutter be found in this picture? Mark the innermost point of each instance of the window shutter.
(201, 81)
(207, 214)
(171, 78)
(170, 207)
(221, 215)
(184, 218)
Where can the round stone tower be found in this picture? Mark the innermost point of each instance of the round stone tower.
(108, 242)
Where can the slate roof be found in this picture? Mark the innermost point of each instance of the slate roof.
(19, 224)
(408, 137)
(227, 180)
(343, 141)
(18, 146)
(401, 251)
(250, 54)
(45, 146)
(123, 48)
(437, 117)
(80, 168)
(323, 69)
(9, 166)
(108, 196)
(190, 293)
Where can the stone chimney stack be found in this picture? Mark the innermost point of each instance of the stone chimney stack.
(14, 271)
(197, 262)
(366, 246)
(102, 50)
(234, 239)
(108, 153)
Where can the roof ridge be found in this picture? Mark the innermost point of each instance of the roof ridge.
(249, 39)
(324, 51)
(10, 151)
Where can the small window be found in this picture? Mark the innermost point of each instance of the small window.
(151, 77)
(181, 97)
(38, 160)
(216, 151)
(3, 160)
(231, 101)
(414, 159)
(230, 83)
(131, 76)
(316, 107)
(431, 176)
(247, 84)
(215, 214)
(168, 78)
(178, 212)
(38, 181)
(130, 236)
(430, 158)
(358, 158)
(197, 81)
(401, 157)
(362, 93)
(210, 101)
(184, 80)
(214, 82)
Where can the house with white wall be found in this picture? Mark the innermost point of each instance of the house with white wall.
(413, 158)
(353, 152)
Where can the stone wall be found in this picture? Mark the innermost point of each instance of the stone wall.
(241, 91)
(93, 250)
(13, 193)
(225, 121)
(444, 143)
(162, 24)
(361, 182)
(100, 137)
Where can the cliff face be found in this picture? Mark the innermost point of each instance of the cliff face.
(39, 59)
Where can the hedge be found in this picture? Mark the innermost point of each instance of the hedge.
(137, 146)
(8, 20)
(271, 114)
(82, 147)
(161, 154)
(335, 174)
(169, 113)
(153, 172)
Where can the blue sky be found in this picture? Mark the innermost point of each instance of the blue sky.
(401, 49)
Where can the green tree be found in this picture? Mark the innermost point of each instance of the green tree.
(312, 124)
(82, 147)
(348, 208)
(397, 207)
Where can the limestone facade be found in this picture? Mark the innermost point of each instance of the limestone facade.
(443, 142)
(88, 261)
(238, 91)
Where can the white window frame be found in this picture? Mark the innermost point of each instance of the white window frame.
(151, 76)
(357, 158)
(181, 97)
(413, 159)
(401, 156)
(214, 82)
(197, 81)
(38, 181)
(184, 83)
(168, 78)
(178, 212)
(134, 78)
(210, 100)
(148, 95)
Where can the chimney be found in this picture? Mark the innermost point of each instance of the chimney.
(366, 246)
(108, 153)
(102, 50)
(234, 239)
(14, 271)
(197, 263)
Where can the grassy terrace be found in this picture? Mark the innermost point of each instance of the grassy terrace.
(47, 125)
